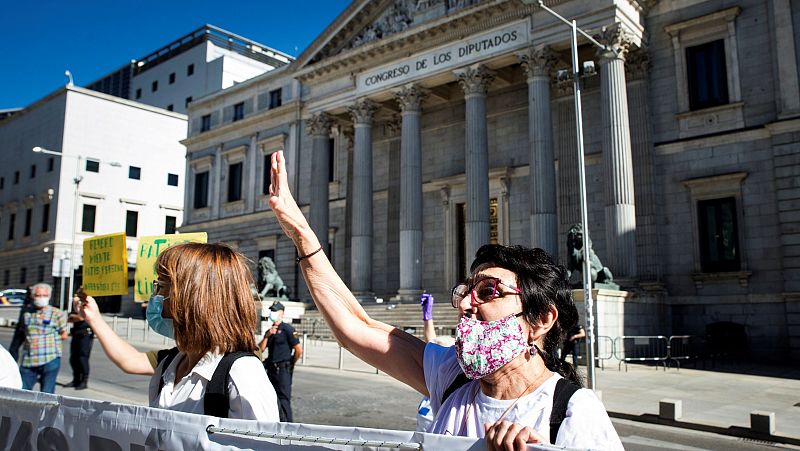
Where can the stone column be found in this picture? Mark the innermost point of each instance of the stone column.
(410, 99)
(620, 210)
(785, 59)
(361, 238)
(319, 127)
(216, 180)
(537, 63)
(475, 81)
(250, 189)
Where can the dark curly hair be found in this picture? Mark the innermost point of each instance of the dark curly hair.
(543, 283)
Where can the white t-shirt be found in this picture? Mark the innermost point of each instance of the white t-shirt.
(9, 370)
(464, 412)
(251, 394)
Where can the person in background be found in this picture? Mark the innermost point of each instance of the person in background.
(201, 298)
(9, 371)
(424, 411)
(45, 328)
(19, 331)
(572, 343)
(514, 309)
(80, 347)
(284, 350)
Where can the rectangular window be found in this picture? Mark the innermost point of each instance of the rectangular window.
(234, 182)
(6, 277)
(267, 253)
(50, 163)
(154, 86)
(134, 173)
(190, 70)
(172, 78)
(267, 170)
(719, 239)
(16, 177)
(11, 225)
(170, 225)
(23, 275)
(205, 124)
(28, 219)
(275, 98)
(40, 273)
(188, 101)
(45, 217)
(172, 179)
(2, 182)
(201, 190)
(131, 223)
(92, 166)
(138, 93)
(170, 107)
(87, 223)
(33, 171)
(238, 111)
(707, 75)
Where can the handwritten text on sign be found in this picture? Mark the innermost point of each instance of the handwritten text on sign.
(149, 249)
(462, 53)
(105, 265)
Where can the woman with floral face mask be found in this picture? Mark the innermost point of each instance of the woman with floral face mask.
(500, 381)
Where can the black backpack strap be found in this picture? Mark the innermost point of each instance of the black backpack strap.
(564, 391)
(167, 356)
(215, 399)
(460, 380)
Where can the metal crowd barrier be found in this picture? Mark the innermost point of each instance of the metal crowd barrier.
(605, 350)
(641, 348)
(685, 347)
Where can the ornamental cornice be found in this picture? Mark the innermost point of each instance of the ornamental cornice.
(481, 17)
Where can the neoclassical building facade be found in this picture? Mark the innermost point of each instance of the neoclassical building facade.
(417, 130)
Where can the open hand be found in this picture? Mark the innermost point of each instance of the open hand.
(426, 300)
(505, 435)
(287, 212)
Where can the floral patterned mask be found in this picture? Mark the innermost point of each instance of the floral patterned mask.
(482, 347)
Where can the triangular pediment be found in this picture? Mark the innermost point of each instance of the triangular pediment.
(364, 22)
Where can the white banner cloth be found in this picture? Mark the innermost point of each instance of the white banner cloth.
(41, 421)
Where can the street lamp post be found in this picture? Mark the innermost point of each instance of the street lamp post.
(587, 268)
(77, 181)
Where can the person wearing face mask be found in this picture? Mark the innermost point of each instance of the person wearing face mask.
(45, 328)
(284, 350)
(202, 300)
(502, 380)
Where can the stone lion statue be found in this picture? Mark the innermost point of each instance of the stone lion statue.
(600, 274)
(270, 282)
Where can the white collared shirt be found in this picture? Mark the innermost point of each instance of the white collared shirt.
(9, 370)
(251, 394)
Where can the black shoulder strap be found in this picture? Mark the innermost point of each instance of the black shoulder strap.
(215, 400)
(165, 355)
(564, 391)
(460, 380)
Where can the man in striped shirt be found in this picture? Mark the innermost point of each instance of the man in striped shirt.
(45, 328)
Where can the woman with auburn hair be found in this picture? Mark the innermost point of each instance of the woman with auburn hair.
(202, 299)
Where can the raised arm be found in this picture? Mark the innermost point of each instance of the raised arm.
(389, 349)
(125, 356)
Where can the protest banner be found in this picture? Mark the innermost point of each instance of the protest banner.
(105, 265)
(34, 420)
(149, 249)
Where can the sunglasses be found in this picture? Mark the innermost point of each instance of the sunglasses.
(485, 289)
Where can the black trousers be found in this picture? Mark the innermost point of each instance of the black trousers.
(280, 375)
(79, 350)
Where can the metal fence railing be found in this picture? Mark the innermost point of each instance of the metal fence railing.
(641, 348)
(685, 347)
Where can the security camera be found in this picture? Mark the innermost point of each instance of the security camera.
(50, 193)
(589, 68)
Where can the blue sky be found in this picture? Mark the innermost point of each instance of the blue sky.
(41, 39)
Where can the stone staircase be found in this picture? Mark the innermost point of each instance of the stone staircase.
(403, 316)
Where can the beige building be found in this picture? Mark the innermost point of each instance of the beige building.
(417, 130)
